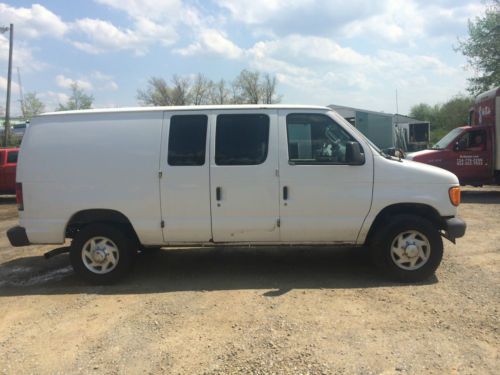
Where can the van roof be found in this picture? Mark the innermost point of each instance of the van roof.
(185, 108)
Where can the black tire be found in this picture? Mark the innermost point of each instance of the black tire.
(387, 233)
(126, 247)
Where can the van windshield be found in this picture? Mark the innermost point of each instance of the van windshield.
(445, 141)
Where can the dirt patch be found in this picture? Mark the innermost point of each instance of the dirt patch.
(248, 311)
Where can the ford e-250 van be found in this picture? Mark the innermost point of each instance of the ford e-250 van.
(118, 180)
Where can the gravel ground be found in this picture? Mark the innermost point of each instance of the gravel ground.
(256, 311)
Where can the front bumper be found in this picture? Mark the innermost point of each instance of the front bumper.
(454, 228)
(17, 236)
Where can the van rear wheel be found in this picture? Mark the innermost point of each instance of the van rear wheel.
(102, 253)
(408, 248)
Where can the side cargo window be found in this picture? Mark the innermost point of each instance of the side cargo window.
(316, 139)
(241, 139)
(187, 140)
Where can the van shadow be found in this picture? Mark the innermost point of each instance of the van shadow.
(274, 270)
(481, 196)
(7, 199)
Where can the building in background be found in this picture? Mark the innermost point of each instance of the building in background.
(387, 130)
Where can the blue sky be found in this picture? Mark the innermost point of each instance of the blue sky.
(354, 53)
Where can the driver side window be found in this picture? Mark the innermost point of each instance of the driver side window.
(473, 141)
(316, 139)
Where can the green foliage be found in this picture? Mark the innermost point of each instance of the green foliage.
(482, 49)
(31, 105)
(77, 100)
(444, 117)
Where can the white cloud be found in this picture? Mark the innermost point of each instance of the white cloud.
(95, 81)
(14, 87)
(22, 56)
(52, 99)
(33, 22)
(393, 21)
(398, 20)
(260, 11)
(283, 17)
(102, 36)
(150, 9)
(15, 108)
(152, 22)
(65, 82)
(302, 48)
(212, 41)
(103, 81)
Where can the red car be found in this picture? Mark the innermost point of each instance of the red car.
(8, 163)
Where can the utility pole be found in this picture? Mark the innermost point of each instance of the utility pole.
(9, 79)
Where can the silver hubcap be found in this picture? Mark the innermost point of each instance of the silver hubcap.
(100, 255)
(410, 250)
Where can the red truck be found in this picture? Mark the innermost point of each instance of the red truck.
(8, 163)
(471, 152)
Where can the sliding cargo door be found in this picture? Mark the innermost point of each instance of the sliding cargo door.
(244, 179)
(184, 178)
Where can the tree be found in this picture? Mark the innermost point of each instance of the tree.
(200, 91)
(31, 105)
(156, 94)
(219, 93)
(269, 90)
(181, 94)
(247, 87)
(77, 100)
(444, 117)
(455, 112)
(425, 112)
(482, 49)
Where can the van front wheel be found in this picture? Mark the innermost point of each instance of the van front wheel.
(408, 248)
(101, 253)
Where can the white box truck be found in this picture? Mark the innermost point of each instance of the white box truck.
(118, 180)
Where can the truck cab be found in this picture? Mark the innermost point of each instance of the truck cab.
(471, 152)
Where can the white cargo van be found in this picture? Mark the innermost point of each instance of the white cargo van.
(118, 180)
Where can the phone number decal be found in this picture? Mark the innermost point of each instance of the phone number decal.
(468, 160)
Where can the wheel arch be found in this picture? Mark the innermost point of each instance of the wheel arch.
(416, 209)
(83, 218)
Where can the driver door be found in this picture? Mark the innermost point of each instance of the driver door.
(322, 199)
(471, 162)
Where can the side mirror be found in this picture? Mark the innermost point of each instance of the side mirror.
(353, 154)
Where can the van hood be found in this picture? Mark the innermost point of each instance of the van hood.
(414, 173)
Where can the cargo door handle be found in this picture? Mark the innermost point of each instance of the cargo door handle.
(285, 193)
(218, 193)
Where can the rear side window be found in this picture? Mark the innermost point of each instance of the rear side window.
(12, 157)
(187, 140)
(241, 139)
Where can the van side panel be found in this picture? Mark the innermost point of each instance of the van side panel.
(75, 162)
